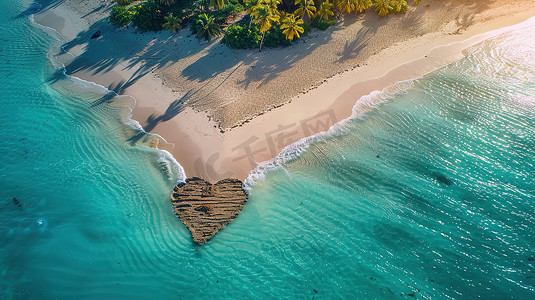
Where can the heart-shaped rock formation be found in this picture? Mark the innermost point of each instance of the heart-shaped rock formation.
(205, 208)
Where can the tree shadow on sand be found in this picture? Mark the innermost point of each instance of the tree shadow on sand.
(178, 106)
(102, 7)
(468, 11)
(466, 17)
(224, 62)
(262, 69)
(172, 111)
(101, 54)
(411, 20)
(39, 7)
(175, 108)
(353, 48)
(218, 59)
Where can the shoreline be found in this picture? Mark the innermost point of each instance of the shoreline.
(203, 150)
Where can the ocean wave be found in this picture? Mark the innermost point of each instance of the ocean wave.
(171, 166)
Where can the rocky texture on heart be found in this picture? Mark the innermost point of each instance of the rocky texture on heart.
(205, 208)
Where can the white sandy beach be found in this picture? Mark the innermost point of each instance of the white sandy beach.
(224, 110)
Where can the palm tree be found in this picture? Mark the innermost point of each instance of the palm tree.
(206, 27)
(217, 4)
(172, 24)
(382, 7)
(265, 14)
(347, 6)
(362, 5)
(283, 15)
(305, 6)
(250, 6)
(325, 11)
(292, 27)
(399, 5)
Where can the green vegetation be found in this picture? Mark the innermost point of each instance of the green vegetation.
(120, 16)
(362, 5)
(292, 27)
(269, 23)
(274, 37)
(217, 4)
(206, 28)
(242, 37)
(325, 11)
(264, 14)
(172, 24)
(149, 16)
(305, 7)
(228, 11)
(321, 24)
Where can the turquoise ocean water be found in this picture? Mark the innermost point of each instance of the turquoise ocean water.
(431, 194)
